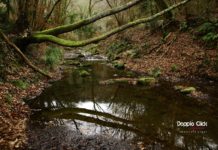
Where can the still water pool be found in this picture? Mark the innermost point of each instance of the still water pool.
(124, 111)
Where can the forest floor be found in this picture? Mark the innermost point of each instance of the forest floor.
(21, 84)
(173, 57)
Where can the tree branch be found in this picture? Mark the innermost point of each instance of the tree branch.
(69, 43)
(28, 62)
(118, 21)
(49, 14)
(76, 25)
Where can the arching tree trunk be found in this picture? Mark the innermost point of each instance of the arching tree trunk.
(49, 35)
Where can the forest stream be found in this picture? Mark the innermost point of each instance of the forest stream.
(79, 113)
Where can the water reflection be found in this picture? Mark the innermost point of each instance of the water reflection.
(124, 111)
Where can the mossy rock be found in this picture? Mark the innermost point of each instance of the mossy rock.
(118, 80)
(72, 62)
(184, 89)
(188, 90)
(146, 80)
(179, 87)
(84, 73)
(107, 82)
(130, 74)
(86, 64)
(119, 65)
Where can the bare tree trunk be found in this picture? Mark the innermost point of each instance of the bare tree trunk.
(162, 5)
(118, 21)
(90, 7)
(53, 7)
(22, 22)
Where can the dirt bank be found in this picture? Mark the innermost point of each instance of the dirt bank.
(175, 55)
(17, 82)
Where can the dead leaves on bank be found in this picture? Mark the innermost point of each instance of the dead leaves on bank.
(13, 111)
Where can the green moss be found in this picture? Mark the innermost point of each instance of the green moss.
(188, 90)
(20, 84)
(119, 65)
(146, 80)
(184, 89)
(84, 73)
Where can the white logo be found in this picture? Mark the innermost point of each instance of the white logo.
(191, 124)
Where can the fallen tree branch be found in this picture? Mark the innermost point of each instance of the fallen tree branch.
(28, 62)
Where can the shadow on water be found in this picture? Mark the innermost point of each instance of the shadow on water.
(124, 111)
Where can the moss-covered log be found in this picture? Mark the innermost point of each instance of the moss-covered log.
(42, 37)
(76, 25)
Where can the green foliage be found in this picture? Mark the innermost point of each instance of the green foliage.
(216, 64)
(1, 80)
(1, 65)
(20, 84)
(165, 34)
(93, 49)
(8, 98)
(208, 32)
(206, 61)
(53, 56)
(183, 26)
(174, 68)
(86, 31)
(206, 27)
(116, 48)
(209, 37)
(119, 65)
(84, 73)
(3, 8)
(73, 17)
(156, 72)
